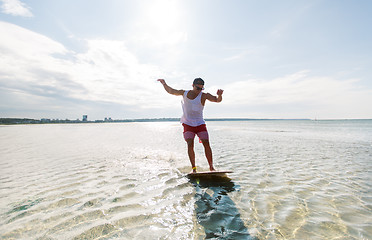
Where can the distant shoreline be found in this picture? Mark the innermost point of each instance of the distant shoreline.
(16, 121)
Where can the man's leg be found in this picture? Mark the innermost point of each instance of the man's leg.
(208, 153)
(191, 152)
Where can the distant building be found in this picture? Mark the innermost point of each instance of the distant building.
(85, 118)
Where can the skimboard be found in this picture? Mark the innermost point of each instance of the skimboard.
(209, 174)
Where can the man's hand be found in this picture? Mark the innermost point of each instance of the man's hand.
(162, 81)
(219, 92)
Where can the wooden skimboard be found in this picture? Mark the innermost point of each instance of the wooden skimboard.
(208, 174)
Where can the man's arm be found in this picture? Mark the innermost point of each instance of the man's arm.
(217, 99)
(169, 89)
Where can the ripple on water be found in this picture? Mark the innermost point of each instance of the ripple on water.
(287, 183)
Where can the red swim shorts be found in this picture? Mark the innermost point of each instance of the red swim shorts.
(201, 131)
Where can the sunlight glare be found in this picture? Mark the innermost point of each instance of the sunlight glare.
(163, 14)
(162, 22)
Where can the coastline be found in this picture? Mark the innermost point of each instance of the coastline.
(18, 121)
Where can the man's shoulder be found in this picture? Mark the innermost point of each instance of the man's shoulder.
(180, 92)
(206, 96)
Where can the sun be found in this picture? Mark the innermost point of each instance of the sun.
(162, 15)
(161, 22)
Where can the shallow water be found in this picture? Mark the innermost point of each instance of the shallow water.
(291, 180)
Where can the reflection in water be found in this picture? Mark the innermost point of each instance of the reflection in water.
(215, 210)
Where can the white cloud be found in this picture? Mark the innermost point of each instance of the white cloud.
(106, 72)
(16, 8)
(22, 42)
(110, 72)
(40, 74)
(26, 54)
(300, 95)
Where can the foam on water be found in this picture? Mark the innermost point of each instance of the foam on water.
(291, 180)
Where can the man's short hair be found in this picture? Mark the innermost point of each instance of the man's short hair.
(198, 81)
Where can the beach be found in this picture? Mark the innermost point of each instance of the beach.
(292, 179)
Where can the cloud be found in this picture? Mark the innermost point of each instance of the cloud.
(42, 76)
(28, 63)
(300, 95)
(45, 71)
(16, 8)
(110, 72)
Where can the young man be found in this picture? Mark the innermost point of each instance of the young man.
(192, 118)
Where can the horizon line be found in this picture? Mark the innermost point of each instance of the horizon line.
(10, 121)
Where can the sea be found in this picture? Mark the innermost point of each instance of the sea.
(292, 179)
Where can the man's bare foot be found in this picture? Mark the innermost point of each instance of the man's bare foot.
(212, 169)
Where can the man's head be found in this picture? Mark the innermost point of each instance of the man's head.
(198, 84)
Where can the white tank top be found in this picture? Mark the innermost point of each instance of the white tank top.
(192, 111)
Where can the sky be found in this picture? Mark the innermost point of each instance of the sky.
(101, 58)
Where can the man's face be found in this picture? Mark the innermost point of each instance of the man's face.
(198, 87)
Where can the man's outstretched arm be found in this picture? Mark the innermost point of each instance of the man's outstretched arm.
(169, 89)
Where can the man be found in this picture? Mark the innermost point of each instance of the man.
(192, 118)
